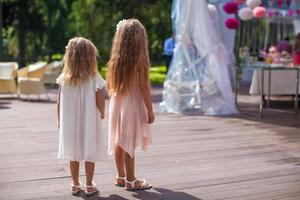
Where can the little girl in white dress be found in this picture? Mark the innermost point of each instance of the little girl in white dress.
(80, 108)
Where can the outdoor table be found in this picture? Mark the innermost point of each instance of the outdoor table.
(269, 67)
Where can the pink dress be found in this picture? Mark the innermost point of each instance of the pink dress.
(128, 125)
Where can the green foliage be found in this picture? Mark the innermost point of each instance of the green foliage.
(37, 26)
(157, 78)
(97, 20)
(43, 28)
(57, 56)
(158, 74)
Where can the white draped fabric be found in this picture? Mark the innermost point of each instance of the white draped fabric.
(226, 35)
(198, 80)
(297, 25)
(296, 3)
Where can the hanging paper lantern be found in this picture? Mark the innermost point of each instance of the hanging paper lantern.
(270, 13)
(279, 3)
(246, 13)
(291, 13)
(253, 3)
(231, 7)
(288, 3)
(240, 1)
(259, 12)
(232, 23)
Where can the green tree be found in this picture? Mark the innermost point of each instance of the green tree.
(34, 29)
(37, 29)
(97, 21)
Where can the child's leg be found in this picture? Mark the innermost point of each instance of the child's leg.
(131, 182)
(89, 171)
(74, 168)
(129, 166)
(119, 161)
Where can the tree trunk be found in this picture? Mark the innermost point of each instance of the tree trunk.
(49, 34)
(21, 31)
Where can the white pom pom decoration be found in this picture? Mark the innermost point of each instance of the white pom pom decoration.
(246, 13)
(253, 3)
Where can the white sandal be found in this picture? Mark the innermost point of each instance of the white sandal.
(123, 179)
(75, 189)
(93, 186)
(145, 185)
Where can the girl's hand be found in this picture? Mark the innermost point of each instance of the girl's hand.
(151, 117)
(100, 102)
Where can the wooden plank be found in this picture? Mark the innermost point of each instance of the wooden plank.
(192, 157)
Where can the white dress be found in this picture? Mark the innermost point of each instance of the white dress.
(80, 134)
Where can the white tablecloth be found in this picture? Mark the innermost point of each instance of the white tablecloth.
(283, 82)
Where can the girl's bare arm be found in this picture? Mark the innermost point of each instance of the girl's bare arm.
(146, 93)
(100, 101)
(58, 107)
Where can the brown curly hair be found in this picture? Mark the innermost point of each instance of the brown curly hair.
(129, 62)
(80, 62)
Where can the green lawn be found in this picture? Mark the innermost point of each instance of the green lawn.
(157, 74)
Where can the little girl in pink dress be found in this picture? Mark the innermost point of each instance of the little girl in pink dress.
(130, 109)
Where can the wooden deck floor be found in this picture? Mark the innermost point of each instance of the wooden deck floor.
(192, 157)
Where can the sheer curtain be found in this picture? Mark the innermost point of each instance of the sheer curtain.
(227, 36)
(297, 25)
(198, 80)
(296, 5)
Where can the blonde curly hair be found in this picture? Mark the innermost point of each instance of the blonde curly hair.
(129, 62)
(80, 62)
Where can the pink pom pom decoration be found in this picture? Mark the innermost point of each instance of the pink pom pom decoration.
(231, 7)
(291, 13)
(270, 13)
(232, 23)
(279, 3)
(259, 12)
(298, 12)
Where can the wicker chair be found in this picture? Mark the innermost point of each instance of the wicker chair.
(8, 72)
(52, 72)
(30, 80)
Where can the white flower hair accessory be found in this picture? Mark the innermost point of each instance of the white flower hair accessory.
(120, 24)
